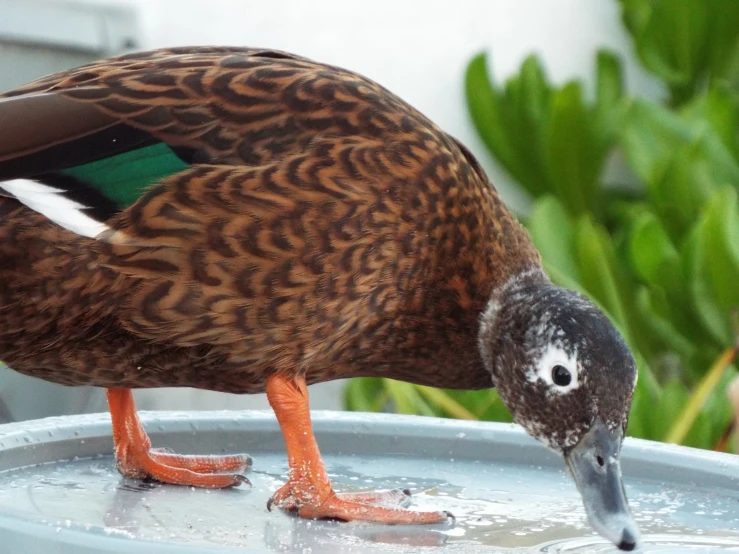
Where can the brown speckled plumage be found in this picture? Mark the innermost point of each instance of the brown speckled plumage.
(325, 227)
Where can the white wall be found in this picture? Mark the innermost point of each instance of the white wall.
(418, 49)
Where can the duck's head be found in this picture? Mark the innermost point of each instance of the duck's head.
(567, 376)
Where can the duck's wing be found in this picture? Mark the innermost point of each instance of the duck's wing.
(82, 145)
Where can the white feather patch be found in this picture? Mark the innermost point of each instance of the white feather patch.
(636, 379)
(50, 202)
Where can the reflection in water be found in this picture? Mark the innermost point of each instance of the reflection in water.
(674, 544)
(502, 508)
(339, 538)
(123, 512)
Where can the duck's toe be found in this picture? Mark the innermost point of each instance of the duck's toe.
(377, 507)
(390, 499)
(346, 510)
(213, 472)
(237, 463)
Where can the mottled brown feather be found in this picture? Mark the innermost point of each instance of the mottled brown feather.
(326, 228)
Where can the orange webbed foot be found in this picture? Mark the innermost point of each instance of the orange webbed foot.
(395, 498)
(376, 507)
(308, 491)
(136, 459)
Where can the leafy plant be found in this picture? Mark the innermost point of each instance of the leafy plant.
(691, 45)
(662, 257)
(549, 139)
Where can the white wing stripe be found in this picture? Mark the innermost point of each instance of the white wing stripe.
(49, 202)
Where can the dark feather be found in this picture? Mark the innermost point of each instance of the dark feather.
(36, 122)
(57, 156)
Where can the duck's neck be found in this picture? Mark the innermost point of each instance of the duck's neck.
(518, 289)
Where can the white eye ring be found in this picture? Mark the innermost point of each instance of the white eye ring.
(544, 369)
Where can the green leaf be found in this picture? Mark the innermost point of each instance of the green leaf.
(658, 315)
(717, 408)
(508, 122)
(495, 410)
(688, 416)
(609, 94)
(526, 99)
(721, 236)
(597, 265)
(642, 405)
(720, 109)
(365, 394)
(485, 111)
(534, 91)
(553, 234)
(723, 41)
(687, 43)
(681, 162)
(485, 404)
(728, 75)
(406, 398)
(707, 310)
(711, 258)
(651, 249)
(649, 137)
(443, 402)
(656, 25)
(667, 409)
(574, 150)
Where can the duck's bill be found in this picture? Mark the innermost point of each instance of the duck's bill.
(593, 464)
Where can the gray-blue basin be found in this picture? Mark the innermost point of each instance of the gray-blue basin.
(60, 492)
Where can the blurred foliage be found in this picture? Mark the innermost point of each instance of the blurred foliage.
(660, 256)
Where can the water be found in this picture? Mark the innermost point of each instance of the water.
(499, 508)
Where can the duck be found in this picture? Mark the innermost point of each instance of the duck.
(248, 220)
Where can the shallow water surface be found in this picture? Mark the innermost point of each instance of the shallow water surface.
(499, 507)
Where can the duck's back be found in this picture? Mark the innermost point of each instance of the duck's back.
(253, 212)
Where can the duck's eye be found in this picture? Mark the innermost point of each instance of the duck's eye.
(561, 375)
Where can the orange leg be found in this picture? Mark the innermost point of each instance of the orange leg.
(137, 460)
(308, 490)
